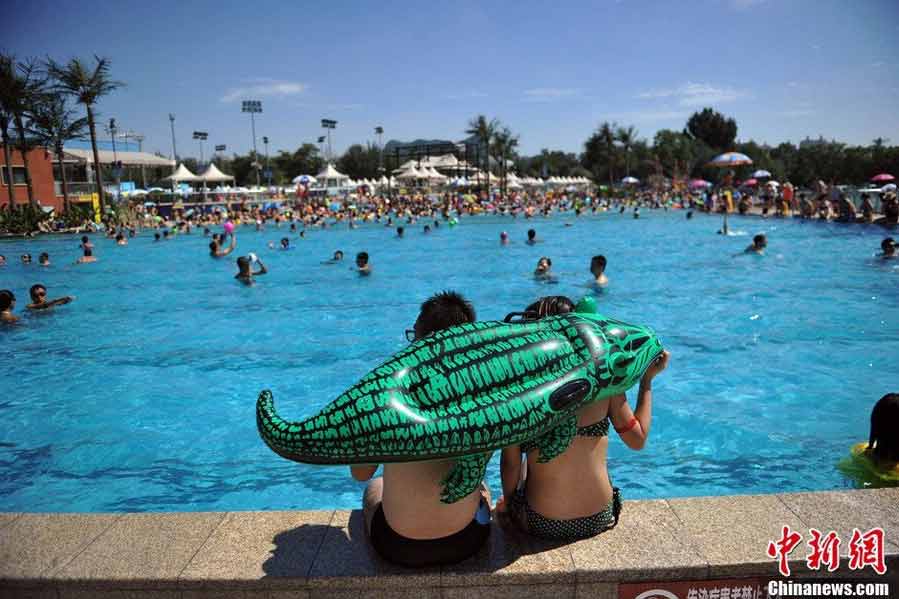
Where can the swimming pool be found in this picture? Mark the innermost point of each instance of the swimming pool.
(140, 395)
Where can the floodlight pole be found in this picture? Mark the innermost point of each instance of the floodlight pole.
(174, 150)
(253, 106)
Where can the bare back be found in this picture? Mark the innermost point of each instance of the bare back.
(412, 503)
(575, 484)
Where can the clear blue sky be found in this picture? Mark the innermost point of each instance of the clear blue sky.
(552, 71)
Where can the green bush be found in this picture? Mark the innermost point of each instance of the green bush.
(22, 219)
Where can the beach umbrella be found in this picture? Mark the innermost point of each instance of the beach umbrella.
(699, 183)
(630, 180)
(888, 187)
(750, 182)
(761, 174)
(731, 159)
(883, 177)
(304, 179)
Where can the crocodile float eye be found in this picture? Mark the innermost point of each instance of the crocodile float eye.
(569, 394)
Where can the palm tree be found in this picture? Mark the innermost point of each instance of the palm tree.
(503, 147)
(607, 137)
(53, 125)
(626, 137)
(20, 87)
(86, 86)
(483, 129)
(7, 70)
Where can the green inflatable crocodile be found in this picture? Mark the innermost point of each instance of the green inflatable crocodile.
(468, 390)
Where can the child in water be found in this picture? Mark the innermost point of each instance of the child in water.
(876, 463)
(7, 304)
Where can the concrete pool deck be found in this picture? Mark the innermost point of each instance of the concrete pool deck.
(276, 555)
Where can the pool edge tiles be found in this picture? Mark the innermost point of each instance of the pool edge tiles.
(250, 554)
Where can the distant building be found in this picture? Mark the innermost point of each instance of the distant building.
(40, 166)
(810, 143)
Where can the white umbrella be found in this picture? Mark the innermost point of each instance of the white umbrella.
(304, 179)
(630, 180)
(761, 174)
(888, 187)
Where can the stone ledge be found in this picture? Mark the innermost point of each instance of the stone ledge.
(276, 555)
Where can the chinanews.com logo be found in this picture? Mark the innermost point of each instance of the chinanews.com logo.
(807, 588)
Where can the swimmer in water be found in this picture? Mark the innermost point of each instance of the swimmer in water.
(888, 246)
(637, 212)
(2, 260)
(427, 229)
(88, 248)
(504, 238)
(39, 298)
(26, 258)
(399, 231)
(689, 214)
(759, 243)
(120, 239)
(156, 237)
(532, 237)
(215, 248)
(44, 259)
(338, 256)
(244, 274)
(7, 304)
(543, 266)
(597, 269)
(362, 265)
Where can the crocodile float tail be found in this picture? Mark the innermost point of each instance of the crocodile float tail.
(297, 441)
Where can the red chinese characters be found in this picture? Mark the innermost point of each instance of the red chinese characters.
(824, 550)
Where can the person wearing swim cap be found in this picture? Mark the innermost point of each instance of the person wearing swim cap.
(244, 273)
(571, 496)
(406, 521)
(39, 299)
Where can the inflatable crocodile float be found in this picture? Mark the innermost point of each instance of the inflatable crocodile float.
(468, 390)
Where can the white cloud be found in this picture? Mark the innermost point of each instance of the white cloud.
(695, 94)
(548, 94)
(266, 88)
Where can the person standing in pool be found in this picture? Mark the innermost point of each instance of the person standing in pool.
(39, 300)
(244, 273)
(7, 305)
(362, 265)
(758, 245)
(406, 522)
(571, 496)
(215, 248)
(88, 248)
(598, 270)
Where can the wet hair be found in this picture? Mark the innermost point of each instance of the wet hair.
(549, 261)
(887, 243)
(427, 229)
(44, 257)
(441, 311)
(551, 305)
(119, 237)
(338, 253)
(285, 241)
(399, 231)
(243, 263)
(26, 257)
(884, 439)
(34, 289)
(759, 240)
(7, 297)
(84, 239)
(531, 233)
(599, 261)
(503, 235)
(363, 256)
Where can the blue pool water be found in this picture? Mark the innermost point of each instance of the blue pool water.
(140, 395)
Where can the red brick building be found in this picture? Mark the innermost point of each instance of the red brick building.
(40, 165)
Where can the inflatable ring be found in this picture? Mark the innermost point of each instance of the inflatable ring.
(863, 469)
(469, 390)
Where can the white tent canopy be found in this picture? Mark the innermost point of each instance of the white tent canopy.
(182, 174)
(213, 175)
(329, 172)
(126, 158)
